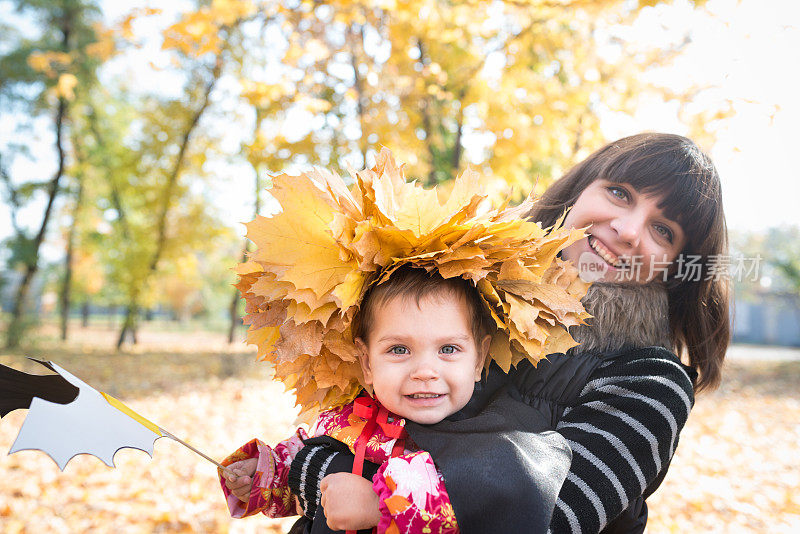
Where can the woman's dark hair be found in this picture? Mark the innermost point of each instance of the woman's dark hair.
(674, 168)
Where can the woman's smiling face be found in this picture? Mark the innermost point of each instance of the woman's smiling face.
(629, 236)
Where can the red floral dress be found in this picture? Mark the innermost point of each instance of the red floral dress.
(411, 492)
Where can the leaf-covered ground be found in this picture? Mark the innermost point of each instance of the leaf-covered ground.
(736, 469)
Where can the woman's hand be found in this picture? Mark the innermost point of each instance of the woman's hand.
(349, 502)
(240, 484)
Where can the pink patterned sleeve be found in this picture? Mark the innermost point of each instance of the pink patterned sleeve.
(412, 496)
(269, 492)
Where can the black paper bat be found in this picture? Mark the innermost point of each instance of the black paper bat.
(17, 389)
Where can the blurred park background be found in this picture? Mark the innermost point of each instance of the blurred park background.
(137, 136)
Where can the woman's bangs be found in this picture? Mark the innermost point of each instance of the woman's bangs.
(684, 187)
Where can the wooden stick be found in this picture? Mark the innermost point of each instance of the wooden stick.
(171, 436)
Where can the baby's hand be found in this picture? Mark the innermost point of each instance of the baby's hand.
(349, 502)
(240, 484)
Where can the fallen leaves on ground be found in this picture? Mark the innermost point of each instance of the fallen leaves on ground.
(213, 397)
(736, 466)
(735, 469)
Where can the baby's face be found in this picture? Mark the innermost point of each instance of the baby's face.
(423, 360)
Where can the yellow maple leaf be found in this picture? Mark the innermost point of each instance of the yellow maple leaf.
(300, 239)
(303, 313)
(500, 349)
(263, 338)
(348, 292)
(466, 189)
(551, 296)
(558, 340)
(248, 267)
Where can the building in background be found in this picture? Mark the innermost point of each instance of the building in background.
(772, 319)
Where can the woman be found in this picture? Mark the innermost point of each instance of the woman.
(653, 207)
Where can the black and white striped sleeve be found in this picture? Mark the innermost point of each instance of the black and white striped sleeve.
(623, 431)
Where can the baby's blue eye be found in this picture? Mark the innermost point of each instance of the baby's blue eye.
(448, 349)
(398, 349)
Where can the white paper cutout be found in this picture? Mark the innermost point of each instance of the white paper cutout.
(87, 425)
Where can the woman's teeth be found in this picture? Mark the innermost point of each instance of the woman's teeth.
(425, 395)
(604, 253)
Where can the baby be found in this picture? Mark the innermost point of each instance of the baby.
(423, 341)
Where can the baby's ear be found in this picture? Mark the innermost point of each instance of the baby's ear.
(363, 359)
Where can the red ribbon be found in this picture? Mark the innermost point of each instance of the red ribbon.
(370, 409)
(376, 415)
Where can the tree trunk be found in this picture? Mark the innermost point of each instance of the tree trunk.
(129, 324)
(16, 325)
(356, 32)
(66, 284)
(457, 148)
(85, 314)
(578, 142)
(427, 120)
(116, 199)
(14, 204)
(133, 304)
(235, 320)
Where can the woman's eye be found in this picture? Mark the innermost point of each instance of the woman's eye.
(398, 349)
(664, 232)
(619, 192)
(449, 349)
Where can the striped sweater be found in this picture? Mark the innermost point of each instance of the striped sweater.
(623, 429)
(623, 414)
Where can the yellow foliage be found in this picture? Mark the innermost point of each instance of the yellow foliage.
(105, 47)
(314, 105)
(199, 32)
(228, 12)
(125, 27)
(196, 34)
(49, 63)
(315, 260)
(88, 275)
(261, 95)
(66, 86)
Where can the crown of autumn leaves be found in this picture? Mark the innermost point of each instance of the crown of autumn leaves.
(315, 260)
